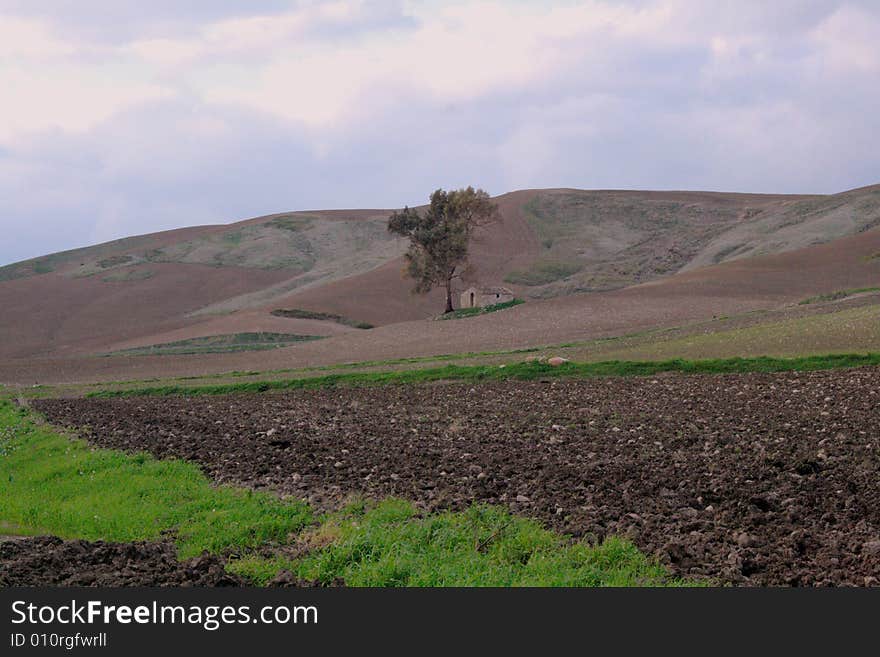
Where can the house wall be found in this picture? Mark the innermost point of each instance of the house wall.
(492, 299)
(475, 298)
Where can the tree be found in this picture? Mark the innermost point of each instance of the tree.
(439, 238)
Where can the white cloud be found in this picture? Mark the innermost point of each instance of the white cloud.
(29, 38)
(51, 84)
(850, 41)
(66, 98)
(462, 53)
(247, 107)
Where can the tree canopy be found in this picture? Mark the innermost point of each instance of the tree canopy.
(440, 236)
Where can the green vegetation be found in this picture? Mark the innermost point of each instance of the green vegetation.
(233, 237)
(293, 223)
(461, 313)
(244, 246)
(831, 330)
(520, 371)
(52, 484)
(128, 275)
(297, 313)
(390, 545)
(215, 344)
(51, 262)
(543, 271)
(839, 294)
(113, 261)
(548, 219)
(440, 236)
(26, 269)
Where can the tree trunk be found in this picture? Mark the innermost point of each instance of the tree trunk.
(449, 307)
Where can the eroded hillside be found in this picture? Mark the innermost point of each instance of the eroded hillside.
(223, 279)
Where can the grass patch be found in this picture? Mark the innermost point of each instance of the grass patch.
(128, 275)
(215, 344)
(836, 296)
(114, 261)
(391, 545)
(543, 272)
(233, 237)
(292, 223)
(461, 313)
(52, 484)
(834, 330)
(27, 268)
(520, 371)
(298, 313)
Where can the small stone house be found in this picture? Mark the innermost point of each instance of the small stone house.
(480, 297)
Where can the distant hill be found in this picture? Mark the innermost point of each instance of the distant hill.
(223, 279)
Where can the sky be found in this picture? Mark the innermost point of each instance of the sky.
(124, 117)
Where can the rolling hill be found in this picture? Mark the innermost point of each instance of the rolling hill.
(645, 258)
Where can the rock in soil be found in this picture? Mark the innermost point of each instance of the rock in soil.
(720, 476)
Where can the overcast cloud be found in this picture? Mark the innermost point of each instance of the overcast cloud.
(121, 117)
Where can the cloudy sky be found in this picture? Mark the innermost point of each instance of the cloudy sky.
(120, 117)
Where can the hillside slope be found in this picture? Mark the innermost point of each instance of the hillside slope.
(726, 290)
(212, 280)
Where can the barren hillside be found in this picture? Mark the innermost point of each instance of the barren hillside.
(215, 280)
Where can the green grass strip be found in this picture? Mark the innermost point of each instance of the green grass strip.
(50, 484)
(299, 313)
(218, 344)
(519, 371)
(390, 545)
(463, 313)
(836, 296)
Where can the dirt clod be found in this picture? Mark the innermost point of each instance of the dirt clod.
(50, 561)
(715, 474)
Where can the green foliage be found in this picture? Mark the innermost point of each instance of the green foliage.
(520, 371)
(297, 313)
(391, 545)
(293, 223)
(462, 313)
(36, 266)
(439, 238)
(233, 237)
(112, 261)
(127, 275)
(51, 484)
(54, 261)
(839, 294)
(543, 271)
(214, 344)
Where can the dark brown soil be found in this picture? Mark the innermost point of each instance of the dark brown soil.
(749, 479)
(50, 561)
